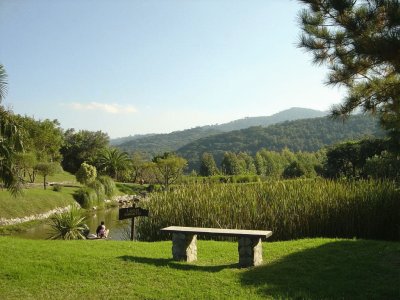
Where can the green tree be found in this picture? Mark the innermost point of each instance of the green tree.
(273, 163)
(47, 169)
(3, 83)
(247, 163)
(25, 163)
(231, 165)
(82, 146)
(43, 137)
(260, 164)
(10, 142)
(348, 159)
(384, 166)
(170, 168)
(360, 43)
(208, 167)
(293, 170)
(86, 174)
(111, 161)
(137, 166)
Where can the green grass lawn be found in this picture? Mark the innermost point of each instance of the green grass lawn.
(34, 201)
(309, 268)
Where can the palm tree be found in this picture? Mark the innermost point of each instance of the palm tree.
(10, 141)
(112, 160)
(3, 82)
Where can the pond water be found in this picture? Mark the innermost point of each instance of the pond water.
(119, 230)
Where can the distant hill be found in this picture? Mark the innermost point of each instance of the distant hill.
(121, 140)
(154, 144)
(294, 113)
(300, 135)
(160, 143)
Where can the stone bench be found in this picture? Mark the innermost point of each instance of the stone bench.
(184, 242)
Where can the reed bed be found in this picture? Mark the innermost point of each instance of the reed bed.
(291, 209)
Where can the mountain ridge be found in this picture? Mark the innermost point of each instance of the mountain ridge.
(299, 135)
(154, 144)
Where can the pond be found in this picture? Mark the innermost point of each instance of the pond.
(119, 230)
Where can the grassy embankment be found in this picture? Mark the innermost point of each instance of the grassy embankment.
(35, 200)
(310, 268)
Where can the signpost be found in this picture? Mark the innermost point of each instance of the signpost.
(131, 213)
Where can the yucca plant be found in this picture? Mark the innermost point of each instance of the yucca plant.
(68, 225)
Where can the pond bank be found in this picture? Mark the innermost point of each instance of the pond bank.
(35, 217)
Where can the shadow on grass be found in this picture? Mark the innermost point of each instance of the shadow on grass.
(163, 262)
(337, 270)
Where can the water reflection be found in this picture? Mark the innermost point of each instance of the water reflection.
(119, 230)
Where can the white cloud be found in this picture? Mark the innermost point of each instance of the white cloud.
(108, 108)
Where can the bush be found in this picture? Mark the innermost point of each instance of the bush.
(295, 169)
(86, 173)
(245, 178)
(57, 188)
(99, 189)
(109, 185)
(154, 188)
(68, 225)
(218, 179)
(385, 166)
(86, 197)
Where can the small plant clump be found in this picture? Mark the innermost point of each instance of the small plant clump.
(57, 187)
(69, 225)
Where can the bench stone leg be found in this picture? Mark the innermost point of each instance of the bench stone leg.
(184, 247)
(250, 251)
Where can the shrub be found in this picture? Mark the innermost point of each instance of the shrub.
(109, 185)
(57, 187)
(245, 178)
(68, 225)
(86, 197)
(86, 173)
(99, 189)
(154, 188)
(295, 169)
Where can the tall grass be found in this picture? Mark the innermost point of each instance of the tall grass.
(291, 209)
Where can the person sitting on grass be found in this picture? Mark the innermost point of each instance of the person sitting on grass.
(101, 231)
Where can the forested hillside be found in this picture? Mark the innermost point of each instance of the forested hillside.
(300, 135)
(121, 140)
(291, 114)
(154, 144)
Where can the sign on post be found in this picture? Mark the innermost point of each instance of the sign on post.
(131, 212)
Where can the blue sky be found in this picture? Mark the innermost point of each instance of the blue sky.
(134, 67)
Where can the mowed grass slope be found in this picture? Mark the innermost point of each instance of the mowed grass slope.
(34, 201)
(309, 268)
